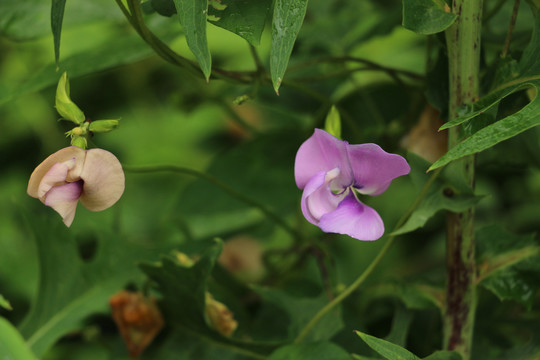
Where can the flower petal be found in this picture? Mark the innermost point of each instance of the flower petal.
(60, 156)
(374, 169)
(103, 178)
(318, 198)
(63, 199)
(322, 152)
(353, 218)
(55, 176)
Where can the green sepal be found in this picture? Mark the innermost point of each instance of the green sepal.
(332, 124)
(103, 126)
(65, 107)
(79, 141)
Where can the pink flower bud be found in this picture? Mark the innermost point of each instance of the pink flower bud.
(95, 177)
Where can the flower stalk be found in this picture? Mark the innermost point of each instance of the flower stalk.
(463, 44)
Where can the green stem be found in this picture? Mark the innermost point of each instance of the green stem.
(234, 193)
(506, 47)
(363, 276)
(463, 44)
(345, 59)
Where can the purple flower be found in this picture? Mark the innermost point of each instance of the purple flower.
(332, 173)
(93, 177)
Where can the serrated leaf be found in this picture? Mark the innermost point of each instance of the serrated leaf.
(12, 345)
(386, 349)
(57, 17)
(192, 15)
(301, 311)
(444, 194)
(245, 18)
(69, 289)
(286, 23)
(318, 350)
(510, 126)
(184, 288)
(427, 16)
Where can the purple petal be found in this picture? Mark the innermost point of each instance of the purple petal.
(63, 199)
(321, 152)
(318, 198)
(354, 219)
(374, 169)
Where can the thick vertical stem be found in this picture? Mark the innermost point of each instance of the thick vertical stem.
(463, 42)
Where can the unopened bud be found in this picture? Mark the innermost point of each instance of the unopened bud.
(65, 107)
(102, 126)
(219, 317)
(332, 124)
(78, 131)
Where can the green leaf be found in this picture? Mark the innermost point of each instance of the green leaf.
(400, 326)
(510, 126)
(386, 349)
(286, 23)
(266, 176)
(301, 311)
(444, 194)
(4, 303)
(192, 15)
(126, 51)
(164, 7)
(184, 288)
(70, 289)
(444, 355)
(31, 19)
(57, 16)
(427, 16)
(508, 264)
(414, 296)
(245, 18)
(12, 345)
(183, 343)
(65, 107)
(318, 351)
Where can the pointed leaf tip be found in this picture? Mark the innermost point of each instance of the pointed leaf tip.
(57, 17)
(286, 23)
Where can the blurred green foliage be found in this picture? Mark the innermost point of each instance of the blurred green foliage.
(58, 280)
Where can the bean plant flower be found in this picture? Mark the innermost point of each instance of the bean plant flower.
(333, 173)
(94, 177)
